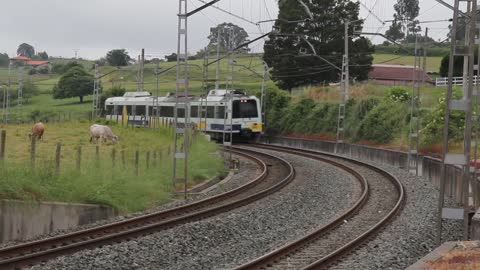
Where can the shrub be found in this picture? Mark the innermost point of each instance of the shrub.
(399, 94)
(383, 122)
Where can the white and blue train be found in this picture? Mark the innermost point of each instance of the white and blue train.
(206, 112)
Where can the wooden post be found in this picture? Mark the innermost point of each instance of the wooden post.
(79, 157)
(168, 151)
(123, 157)
(58, 152)
(32, 151)
(136, 162)
(148, 160)
(155, 158)
(114, 153)
(3, 138)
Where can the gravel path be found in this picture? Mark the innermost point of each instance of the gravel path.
(232, 238)
(411, 236)
(247, 168)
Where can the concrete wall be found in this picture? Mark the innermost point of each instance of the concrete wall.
(25, 220)
(429, 167)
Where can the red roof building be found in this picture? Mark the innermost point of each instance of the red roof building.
(28, 61)
(396, 74)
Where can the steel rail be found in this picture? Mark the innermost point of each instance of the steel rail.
(31, 253)
(268, 260)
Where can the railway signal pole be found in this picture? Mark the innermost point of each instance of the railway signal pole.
(459, 48)
(182, 83)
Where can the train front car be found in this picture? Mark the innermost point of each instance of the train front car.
(246, 118)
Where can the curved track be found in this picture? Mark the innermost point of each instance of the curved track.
(275, 175)
(383, 196)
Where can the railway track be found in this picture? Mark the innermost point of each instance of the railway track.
(276, 173)
(383, 196)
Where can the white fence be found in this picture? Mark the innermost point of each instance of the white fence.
(443, 81)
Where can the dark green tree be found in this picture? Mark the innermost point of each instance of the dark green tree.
(227, 32)
(43, 55)
(4, 59)
(326, 33)
(406, 12)
(171, 58)
(118, 57)
(76, 82)
(26, 50)
(395, 31)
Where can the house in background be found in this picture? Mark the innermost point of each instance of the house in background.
(37, 64)
(396, 75)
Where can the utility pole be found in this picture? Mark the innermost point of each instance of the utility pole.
(217, 75)
(182, 84)
(20, 91)
(203, 109)
(228, 98)
(141, 66)
(425, 54)
(345, 85)
(466, 58)
(414, 126)
(96, 93)
(465, 105)
(6, 96)
(263, 96)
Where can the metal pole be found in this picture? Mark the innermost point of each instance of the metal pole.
(347, 62)
(425, 56)
(20, 91)
(217, 75)
(142, 67)
(466, 58)
(263, 96)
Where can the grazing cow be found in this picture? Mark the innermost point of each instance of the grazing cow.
(103, 133)
(37, 131)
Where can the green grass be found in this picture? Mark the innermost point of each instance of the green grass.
(433, 62)
(99, 181)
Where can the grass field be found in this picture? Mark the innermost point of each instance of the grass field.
(433, 62)
(99, 180)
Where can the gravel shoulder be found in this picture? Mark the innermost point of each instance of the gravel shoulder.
(317, 194)
(410, 236)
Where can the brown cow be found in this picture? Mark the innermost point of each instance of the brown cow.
(37, 131)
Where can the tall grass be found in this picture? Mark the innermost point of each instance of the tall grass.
(100, 181)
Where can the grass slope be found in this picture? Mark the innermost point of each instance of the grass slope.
(99, 181)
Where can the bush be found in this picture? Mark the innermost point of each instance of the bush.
(383, 122)
(359, 110)
(399, 94)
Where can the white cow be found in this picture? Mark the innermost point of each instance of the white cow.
(102, 132)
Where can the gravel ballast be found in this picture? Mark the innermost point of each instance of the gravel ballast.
(222, 242)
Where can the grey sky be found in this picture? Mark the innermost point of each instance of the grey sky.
(96, 26)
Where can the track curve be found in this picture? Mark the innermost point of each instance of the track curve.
(276, 173)
(314, 251)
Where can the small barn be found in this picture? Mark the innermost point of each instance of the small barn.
(396, 74)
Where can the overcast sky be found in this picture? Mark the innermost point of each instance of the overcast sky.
(94, 27)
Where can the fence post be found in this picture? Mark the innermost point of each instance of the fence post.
(136, 162)
(168, 151)
(58, 151)
(79, 157)
(123, 157)
(3, 138)
(114, 153)
(155, 164)
(32, 151)
(148, 160)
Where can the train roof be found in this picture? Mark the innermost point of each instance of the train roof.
(218, 95)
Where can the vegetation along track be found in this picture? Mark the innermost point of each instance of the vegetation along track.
(383, 196)
(275, 175)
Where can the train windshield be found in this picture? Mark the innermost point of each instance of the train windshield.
(245, 108)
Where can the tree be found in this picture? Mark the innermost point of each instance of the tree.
(227, 32)
(43, 55)
(395, 31)
(26, 50)
(76, 82)
(405, 13)
(118, 57)
(326, 33)
(4, 60)
(171, 58)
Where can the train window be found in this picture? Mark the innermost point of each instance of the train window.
(245, 108)
(194, 111)
(181, 112)
(210, 112)
(109, 110)
(220, 112)
(140, 110)
(166, 111)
